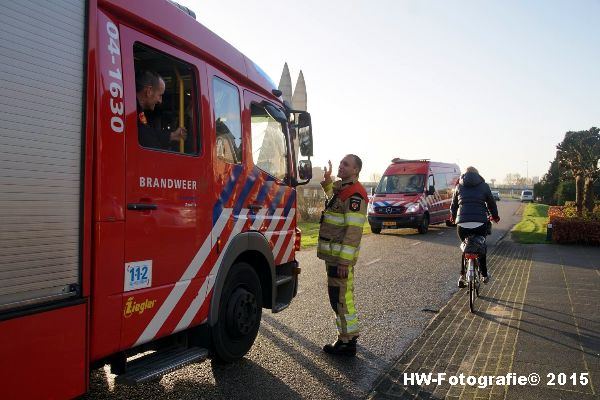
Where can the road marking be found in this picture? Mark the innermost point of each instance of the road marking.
(440, 233)
(373, 261)
(416, 243)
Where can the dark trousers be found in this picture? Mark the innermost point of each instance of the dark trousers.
(462, 234)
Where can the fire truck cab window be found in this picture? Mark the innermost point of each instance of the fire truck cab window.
(167, 106)
(227, 122)
(268, 143)
(441, 185)
(404, 183)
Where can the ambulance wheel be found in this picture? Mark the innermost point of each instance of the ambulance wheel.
(376, 229)
(424, 227)
(240, 310)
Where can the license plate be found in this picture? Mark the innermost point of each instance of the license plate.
(389, 224)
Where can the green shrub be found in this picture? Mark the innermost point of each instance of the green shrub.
(570, 211)
(565, 191)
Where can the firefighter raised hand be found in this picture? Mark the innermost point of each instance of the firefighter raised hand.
(327, 173)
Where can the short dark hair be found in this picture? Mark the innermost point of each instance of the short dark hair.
(145, 78)
(357, 161)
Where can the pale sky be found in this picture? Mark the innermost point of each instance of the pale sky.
(493, 84)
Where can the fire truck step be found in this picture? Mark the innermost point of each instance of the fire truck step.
(283, 279)
(280, 307)
(155, 365)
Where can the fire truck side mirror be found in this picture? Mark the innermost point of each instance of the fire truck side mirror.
(303, 120)
(274, 112)
(305, 170)
(305, 138)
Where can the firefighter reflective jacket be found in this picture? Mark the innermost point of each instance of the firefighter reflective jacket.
(342, 222)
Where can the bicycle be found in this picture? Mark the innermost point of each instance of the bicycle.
(472, 247)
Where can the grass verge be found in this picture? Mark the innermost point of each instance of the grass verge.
(532, 228)
(310, 233)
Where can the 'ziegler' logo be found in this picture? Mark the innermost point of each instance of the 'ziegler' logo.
(132, 307)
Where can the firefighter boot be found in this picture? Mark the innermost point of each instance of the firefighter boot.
(341, 348)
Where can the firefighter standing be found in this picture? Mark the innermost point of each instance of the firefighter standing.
(339, 241)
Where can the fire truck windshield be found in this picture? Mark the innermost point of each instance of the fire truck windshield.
(409, 183)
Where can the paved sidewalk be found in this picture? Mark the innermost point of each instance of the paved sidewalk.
(540, 314)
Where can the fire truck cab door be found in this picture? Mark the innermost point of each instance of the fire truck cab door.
(169, 196)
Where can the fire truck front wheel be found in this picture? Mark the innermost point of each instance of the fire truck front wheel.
(424, 226)
(240, 310)
(376, 229)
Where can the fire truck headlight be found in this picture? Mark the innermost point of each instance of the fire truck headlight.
(414, 207)
(370, 209)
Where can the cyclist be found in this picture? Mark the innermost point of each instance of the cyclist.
(471, 203)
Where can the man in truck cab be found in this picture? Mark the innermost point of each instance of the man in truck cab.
(150, 87)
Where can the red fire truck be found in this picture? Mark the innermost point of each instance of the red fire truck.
(113, 244)
(413, 194)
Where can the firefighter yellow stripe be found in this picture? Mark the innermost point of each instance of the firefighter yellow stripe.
(345, 252)
(333, 218)
(348, 252)
(330, 248)
(355, 219)
(351, 317)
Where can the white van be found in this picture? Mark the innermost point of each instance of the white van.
(527, 195)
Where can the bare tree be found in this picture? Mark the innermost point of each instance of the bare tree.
(521, 180)
(514, 179)
(375, 177)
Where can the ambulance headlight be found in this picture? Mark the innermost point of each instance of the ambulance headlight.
(413, 208)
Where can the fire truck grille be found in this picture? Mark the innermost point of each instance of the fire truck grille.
(389, 210)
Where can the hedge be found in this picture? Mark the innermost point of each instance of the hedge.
(568, 228)
(575, 230)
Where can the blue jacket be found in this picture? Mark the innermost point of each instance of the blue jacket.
(472, 199)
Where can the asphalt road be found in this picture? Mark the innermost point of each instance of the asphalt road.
(402, 280)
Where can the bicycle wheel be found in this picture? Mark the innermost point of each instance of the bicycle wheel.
(477, 277)
(471, 290)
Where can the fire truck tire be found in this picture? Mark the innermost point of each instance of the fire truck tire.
(375, 229)
(424, 227)
(240, 310)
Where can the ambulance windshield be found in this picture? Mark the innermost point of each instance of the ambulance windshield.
(410, 183)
